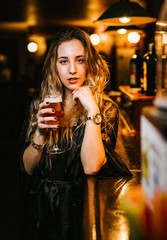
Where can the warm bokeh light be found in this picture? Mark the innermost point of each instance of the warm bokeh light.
(95, 39)
(162, 24)
(133, 37)
(122, 31)
(164, 38)
(2, 58)
(124, 20)
(32, 47)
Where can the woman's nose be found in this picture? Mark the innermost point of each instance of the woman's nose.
(72, 68)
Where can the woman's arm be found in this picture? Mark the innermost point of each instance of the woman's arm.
(92, 150)
(31, 155)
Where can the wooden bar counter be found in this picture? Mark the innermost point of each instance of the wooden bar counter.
(105, 217)
(132, 103)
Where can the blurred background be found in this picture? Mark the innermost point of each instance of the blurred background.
(36, 21)
(25, 21)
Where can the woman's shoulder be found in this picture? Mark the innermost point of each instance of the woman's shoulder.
(109, 104)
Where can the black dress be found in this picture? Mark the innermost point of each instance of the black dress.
(50, 205)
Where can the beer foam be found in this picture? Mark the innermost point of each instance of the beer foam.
(53, 99)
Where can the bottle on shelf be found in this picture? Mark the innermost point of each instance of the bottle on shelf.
(164, 67)
(154, 140)
(161, 50)
(135, 69)
(149, 71)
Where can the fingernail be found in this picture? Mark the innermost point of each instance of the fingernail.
(55, 118)
(53, 110)
(47, 102)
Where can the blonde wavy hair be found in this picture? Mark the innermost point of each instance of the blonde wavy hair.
(96, 78)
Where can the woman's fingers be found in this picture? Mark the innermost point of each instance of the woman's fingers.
(44, 105)
(44, 111)
(84, 94)
(44, 108)
(47, 126)
(45, 117)
(47, 121)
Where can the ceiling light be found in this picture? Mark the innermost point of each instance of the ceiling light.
(133, 37)
(132, 12)
(95, 39)
(161, 27)
(32, 47)
(164, 38)
(124, 20)
(162, 24)
(122, 31)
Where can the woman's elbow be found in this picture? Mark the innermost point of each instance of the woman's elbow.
(90, 171)
(93, 170)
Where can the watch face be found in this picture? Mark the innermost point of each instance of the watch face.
(98, 118)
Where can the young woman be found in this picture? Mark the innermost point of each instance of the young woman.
(52, 185)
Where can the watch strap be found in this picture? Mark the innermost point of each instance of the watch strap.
(90, 118)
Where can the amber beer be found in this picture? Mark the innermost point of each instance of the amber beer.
(56, 104)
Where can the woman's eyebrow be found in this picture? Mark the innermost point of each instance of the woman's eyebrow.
(79, 56)
(64, 57)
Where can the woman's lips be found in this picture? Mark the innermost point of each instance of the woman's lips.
(72, 80)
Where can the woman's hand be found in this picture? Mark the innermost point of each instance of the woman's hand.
(45, 117)
(32, 156)
(92, 149)
(84, 94)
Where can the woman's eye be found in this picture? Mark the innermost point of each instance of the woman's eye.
(80, 60)
(63, 61)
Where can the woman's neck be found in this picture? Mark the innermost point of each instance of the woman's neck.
(68, 99)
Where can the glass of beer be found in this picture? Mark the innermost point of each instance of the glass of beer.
(53, 144)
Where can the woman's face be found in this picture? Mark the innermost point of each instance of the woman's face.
(70, 64)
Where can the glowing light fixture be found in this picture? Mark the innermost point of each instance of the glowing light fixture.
(162, 24)
(122, 31)
(161, 27)
(164, 38)
(95, 39)
(124, 20)
(133, 37)
(32, 47)
(125, 13)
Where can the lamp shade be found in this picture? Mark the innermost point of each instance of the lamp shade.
(136, 14)
(123, 29)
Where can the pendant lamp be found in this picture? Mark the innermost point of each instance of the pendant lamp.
(128, 28)
(125, 13)
(123, 29)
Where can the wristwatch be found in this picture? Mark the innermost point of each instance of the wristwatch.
(97, 118)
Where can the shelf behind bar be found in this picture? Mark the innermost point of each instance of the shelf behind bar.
(134, 94)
